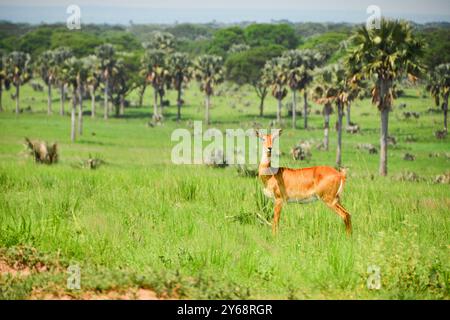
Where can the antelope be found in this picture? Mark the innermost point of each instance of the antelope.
(300, 185)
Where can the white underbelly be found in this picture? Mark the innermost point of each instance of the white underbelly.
(303, 200)
(269, 193)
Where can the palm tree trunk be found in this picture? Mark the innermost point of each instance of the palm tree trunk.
(445, 111)
(339, 139)
(305, 109)
(385, 107)
(294, 107)
(92, 102)
(122, 105)
(383, 141)
(61, 88)
(106, 98)
(207, 109)
(80, 112)
(279, 111)
(17, 98)
(326, 126)
(49, 98)
(179, 104)
(348, 114)
(1, 94)
(161, 104)
(73, 115)
(155, 103)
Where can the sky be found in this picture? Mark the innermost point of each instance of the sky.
(228, 11)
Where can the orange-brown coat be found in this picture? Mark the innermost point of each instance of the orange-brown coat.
(301, 185)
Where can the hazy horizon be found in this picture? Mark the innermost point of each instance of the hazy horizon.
(231, 11)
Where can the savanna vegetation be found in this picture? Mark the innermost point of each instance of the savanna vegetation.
(96, 187)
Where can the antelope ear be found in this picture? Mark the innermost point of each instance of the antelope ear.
(277, 133)
(257, 133)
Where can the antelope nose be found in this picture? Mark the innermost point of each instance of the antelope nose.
(269, 148)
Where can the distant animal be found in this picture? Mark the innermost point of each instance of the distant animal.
(440, 134)
(409, 157)
(37, 87)
(352, 128)
(367, 146)
(410, 114)
(300, 185)
(302, 151)
(392, 141)
(42, 152)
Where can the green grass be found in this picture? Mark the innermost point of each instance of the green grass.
(193, 231)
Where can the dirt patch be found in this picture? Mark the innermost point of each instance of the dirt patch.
(14, 270)
(20, 265)
(116, 294)
(129, 294)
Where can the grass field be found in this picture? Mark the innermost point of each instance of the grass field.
(191, 231)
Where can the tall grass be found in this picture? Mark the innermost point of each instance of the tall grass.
(201, 232)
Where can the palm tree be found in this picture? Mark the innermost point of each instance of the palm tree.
(92, 64)
(125, 79)
(208, 70)
(18, 71)
(353, 94)
(154, 71)
(357, 88)
(296, 71)
(300, 63)
(385, 54)
(334, 87)
(357, 85)
(142, 86)
(83, 74)
(118, 85)
(46, 68)
(274, 74)
(324, 94)
(180, 70)
(106, 55)
(60, 56)
(341, 88)
(4, 81)
(439, 87)
(74, 70)
(164, 41)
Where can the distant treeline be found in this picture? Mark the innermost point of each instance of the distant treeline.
(211, 38)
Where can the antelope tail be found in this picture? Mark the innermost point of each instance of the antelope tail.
(343, 172)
